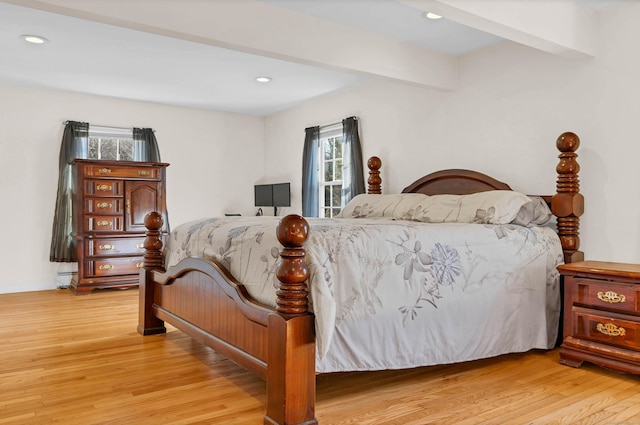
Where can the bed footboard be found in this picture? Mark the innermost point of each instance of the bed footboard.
(199, 297)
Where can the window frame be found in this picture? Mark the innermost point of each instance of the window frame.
(335, 134)
(117, 135)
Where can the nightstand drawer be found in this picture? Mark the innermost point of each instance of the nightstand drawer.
(606, 328)
(113, 266)
(114, 246)
(607, 295)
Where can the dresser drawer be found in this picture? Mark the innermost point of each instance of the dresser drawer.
(103, 206)
(125, 172)
(103, 187)
(607, 295)
(114, 246)
(104, 223)
(606, 328)
(113, 266)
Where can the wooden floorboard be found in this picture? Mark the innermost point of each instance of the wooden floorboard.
(78, 360)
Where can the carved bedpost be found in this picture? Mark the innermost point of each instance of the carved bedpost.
(153, 242)
(292, 297)
(568, 203)
(374, 163)
(291, 357)
(148, 324)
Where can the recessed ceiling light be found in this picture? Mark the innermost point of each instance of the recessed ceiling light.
(431, 15)
(35, 39)
(263, 79)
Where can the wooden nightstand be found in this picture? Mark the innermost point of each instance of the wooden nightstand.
(601, 315)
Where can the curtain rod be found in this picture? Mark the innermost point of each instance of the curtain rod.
(335, 123)
(100, 125)
(109, 126)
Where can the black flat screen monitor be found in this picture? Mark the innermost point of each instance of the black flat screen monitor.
(273, 195)
(282, 195)
(264, 195)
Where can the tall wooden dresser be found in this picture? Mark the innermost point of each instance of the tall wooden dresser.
(109, 207)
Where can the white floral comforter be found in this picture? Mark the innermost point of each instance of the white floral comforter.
(391, 294)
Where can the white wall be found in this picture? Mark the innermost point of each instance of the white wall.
(503, 120)
(215, 160)
(511, 105)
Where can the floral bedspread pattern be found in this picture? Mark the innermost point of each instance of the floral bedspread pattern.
(390, 294)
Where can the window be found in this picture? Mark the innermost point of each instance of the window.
(330, 175)
(331, 168)
(110, 143)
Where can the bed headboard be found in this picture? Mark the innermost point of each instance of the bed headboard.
(455, 182)
(567, 204)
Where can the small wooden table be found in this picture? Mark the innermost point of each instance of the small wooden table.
(601, 315)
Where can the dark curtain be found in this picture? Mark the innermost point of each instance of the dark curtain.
(352, 171)
(146, 150)
(75, 142)
(310, 196)
(74, 145)
(145, 145)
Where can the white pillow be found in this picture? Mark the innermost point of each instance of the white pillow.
(490, 207)
(390, 206)
(536, 213)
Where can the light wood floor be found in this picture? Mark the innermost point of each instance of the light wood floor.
(77, 360)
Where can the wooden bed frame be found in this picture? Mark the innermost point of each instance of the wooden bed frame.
(201, 298)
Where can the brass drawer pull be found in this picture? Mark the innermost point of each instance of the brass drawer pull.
(104, 171)
(140, 246)
(107, 247)
(106, 267)
(140, 264)
(104, 205)
(611, 297)
(610, 329)
(103, 187)
(144, 173)
(103, 223)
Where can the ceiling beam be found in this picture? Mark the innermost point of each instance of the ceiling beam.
(259, 28)
(560, 27)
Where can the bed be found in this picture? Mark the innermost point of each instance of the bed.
(310, 306)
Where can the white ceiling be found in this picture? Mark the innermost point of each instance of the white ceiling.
(206, 53)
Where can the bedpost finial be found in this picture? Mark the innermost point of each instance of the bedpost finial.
(568, 142)
(292, 231)
(153, 221)
(374, 163)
